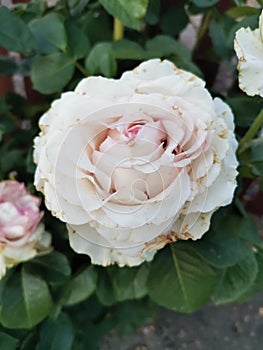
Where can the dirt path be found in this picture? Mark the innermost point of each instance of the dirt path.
(227, 327)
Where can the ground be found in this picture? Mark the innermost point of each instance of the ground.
(226, 327)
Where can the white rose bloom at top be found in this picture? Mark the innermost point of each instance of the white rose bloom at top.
(248, 45)
(133, 164)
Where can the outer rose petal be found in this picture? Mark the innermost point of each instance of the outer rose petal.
(106, 88)
(248, 45)
(39, 242)
(193, 225)
(103, 253)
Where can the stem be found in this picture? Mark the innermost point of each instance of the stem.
(81, 68)
(117, 30)
(202, 30)
(257, 124)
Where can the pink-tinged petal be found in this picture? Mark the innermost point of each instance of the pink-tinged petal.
(19, 219)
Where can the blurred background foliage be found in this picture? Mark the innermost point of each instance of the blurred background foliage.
(61, 301)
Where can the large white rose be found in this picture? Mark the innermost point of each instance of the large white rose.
(249, 49)
(135, 163)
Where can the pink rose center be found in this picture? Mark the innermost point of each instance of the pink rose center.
(133, 129)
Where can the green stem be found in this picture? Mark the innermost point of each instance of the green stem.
(257, 124)
(81, 68)
(117, 30)
(202, 30)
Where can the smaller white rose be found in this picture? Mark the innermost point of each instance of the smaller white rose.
(248, 45)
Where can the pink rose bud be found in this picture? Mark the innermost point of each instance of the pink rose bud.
(19, 214)
(22, 237)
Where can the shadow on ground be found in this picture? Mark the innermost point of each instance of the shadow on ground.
(227, 327)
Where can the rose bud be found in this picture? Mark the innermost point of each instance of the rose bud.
(21, 234)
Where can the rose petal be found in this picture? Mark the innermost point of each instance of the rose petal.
(249, 49)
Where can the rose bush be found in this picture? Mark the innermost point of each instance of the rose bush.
(128, 165)
(249, 49)
(21, 234)
(135, 163)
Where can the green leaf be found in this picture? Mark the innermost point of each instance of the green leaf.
(51, 73)
(97, 26)
(245, 108)
(130, 13)
(77, 7)
(242, 11)
(204, 3)
(53, 267)
(30, 341)
(91, 321)
(233, 281)
(56, 334)
(224, 244)
(101, 60)
(248, 230)
(78, 42)
(49, 33)
(251, 21)
(164, 46)
(8, 66)
(119, 284)
(219, 249)
(179, 279)
(7, 342)
(174, 20)
(14, 33)
(127, 49)
(153, 12)
(81, 286)
(26, 300)
(131, 314)
(15, 160)
(219, 37)
(257, 285)
(257, 169)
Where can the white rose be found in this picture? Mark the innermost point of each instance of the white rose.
(135, 163)
(249, 49)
